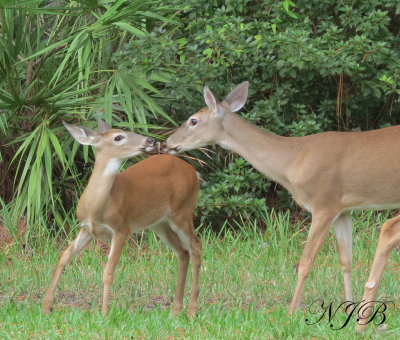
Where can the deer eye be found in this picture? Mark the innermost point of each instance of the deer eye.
(118, 138)
(193, 122)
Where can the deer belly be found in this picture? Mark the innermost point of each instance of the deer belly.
(368, 203)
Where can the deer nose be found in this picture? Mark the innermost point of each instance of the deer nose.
(150, 141)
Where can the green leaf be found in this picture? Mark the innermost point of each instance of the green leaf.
(208, 52)
(57, 147)
(127, 27)
(48, 49)
(5, 3)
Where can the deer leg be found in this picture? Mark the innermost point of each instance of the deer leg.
(389, 237)
(320, 225)
(79, 243)
(171, 239)
(343, 232)
(117, 244)
(195, 254)
(182, 225)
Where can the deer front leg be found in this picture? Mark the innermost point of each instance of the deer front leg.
(389, 237)
(320, 225)
(79, 243)
(117, 244)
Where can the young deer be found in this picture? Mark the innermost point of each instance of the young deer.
(329, 174)
(159, 193)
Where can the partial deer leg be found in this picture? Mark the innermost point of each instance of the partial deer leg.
(182, 225)
(343, 232)
(79, 243)
(321, 222)
(195, 254)
(389, 237)
(117, 244)
(170, 238)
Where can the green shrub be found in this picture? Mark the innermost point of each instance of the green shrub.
(235, 192)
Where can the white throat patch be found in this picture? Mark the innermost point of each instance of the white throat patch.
(112, 167)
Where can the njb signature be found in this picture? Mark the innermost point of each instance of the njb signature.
(363, 311)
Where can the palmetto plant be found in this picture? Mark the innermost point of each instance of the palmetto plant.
(59, 60)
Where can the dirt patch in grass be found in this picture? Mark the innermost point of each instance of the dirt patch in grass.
(6, 239)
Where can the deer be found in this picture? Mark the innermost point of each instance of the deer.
(329, 174)
(158, 193)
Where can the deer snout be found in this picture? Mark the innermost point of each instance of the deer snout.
(164, 147)
(167, 148)
(150, 141)
(149, 144)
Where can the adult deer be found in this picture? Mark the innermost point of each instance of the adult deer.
(158, 193)
(329, 174)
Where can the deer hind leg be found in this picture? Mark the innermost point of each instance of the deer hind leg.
(79, 243)
(343, 232)
(195, 254)
(117, 244)
(389, 237)
(321, 222)
(183, 227)
(171, 239)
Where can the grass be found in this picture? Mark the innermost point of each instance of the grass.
(246, 284)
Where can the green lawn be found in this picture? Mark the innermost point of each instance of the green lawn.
(247, 280)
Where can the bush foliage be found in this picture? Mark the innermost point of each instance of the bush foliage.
(312, 66)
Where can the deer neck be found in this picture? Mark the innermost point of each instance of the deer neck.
(95, 198)
(270, 154)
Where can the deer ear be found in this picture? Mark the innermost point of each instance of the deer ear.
(211, 101)
(103, 127)
(238, 96)
(81, 134)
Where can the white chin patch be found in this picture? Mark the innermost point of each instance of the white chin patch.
(149, 148)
